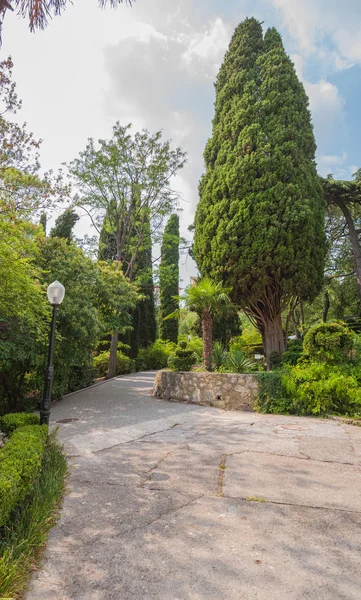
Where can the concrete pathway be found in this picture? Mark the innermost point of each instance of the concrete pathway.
(175, 502)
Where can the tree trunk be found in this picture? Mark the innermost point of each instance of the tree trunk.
(272, 335)
(356, 248)
(326, 307)
(207, 325)
(112, 370)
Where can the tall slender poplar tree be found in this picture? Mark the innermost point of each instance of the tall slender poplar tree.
(259, 225)
(169, 280)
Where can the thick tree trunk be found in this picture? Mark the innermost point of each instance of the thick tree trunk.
(207, 326)
(112, 370)
(272, 336)
(356, 247)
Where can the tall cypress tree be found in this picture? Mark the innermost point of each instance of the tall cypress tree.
(144, 319)
(64, 225)
(260, 219)
(169, 279)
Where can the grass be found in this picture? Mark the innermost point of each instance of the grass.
(23, 540)
(253, 499)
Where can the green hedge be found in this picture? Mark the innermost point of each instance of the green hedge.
(12, 421)
(20, 464)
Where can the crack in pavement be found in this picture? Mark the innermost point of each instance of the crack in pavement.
(279, 503)
(152, 469)
(133, 440)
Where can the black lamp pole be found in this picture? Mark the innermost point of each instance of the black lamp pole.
(49, 374)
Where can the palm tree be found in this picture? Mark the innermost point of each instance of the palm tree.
(39, 11)
(208, 299)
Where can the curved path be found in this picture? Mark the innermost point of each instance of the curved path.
(175, 502)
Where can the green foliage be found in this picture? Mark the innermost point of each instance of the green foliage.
(195, 344)
(272, 395)
(23, 539)
(293, 353)
(219, 355)
(320, 389)
(155, 357)
(189, 323)
(169, 280)
(20, 464)
(331, 342)
(12, 421)
(259, 224)
(183, 359)
(238, 362)
(64, 225)
(124, 363)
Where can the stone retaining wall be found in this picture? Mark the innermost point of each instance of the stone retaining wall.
(229, 391)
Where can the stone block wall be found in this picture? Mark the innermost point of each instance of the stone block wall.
(230, 391)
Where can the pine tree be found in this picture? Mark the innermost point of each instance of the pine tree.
(260, 219)
(64, 225)
(169, 280)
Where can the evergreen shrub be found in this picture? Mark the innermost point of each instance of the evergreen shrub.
(154, 357)
(331, 342)
(124, 364)
(12, 421)
(20, 464)
(183, 358)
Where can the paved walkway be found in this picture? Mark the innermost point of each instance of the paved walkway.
(176, 502)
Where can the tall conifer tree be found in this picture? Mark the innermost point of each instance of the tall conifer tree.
(260, 219)
(169, 280)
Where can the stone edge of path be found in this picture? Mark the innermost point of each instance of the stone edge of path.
(90, 387)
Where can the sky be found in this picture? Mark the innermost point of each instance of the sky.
(153, 65)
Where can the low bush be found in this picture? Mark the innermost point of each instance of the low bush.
(219, 356)
(23, 539)
(293, 353)
(12, 421)
(321, 389)
(124, 364)
(81, 377)
(183, 358)
(155, 357)
(195, 344)
(331, 342)
(272, 395)
(238, 362)
(20, 464)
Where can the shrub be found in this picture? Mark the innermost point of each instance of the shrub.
(219, 355)
(331, 342)
(12, 421)
(293, 353)
(24, 537)
(154, 357)
(272, 395)
(195, 344)
(124, 364)
(183, 358)
(239, 363)
(321, 389)
(20, 465)
(81, 377)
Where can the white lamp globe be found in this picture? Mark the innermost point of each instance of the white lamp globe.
(56, 293)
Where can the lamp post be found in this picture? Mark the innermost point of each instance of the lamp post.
(56, 293)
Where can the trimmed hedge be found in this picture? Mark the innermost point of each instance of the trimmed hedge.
(12, 421)
(20, 465)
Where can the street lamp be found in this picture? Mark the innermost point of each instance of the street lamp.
(56, 293)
